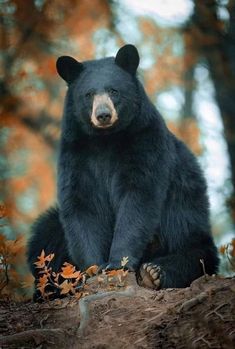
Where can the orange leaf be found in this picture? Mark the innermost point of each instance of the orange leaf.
(112, 273)
(42, 259)
(69, 272)
(42, 283)
(91, 271)
(119, 274)
(222, 249)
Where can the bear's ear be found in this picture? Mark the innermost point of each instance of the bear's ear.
(68, 68)
(128, 58)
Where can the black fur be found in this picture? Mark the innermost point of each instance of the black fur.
(132, 190)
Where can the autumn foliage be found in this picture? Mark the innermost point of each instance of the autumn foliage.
(13, 283)
(70, 281)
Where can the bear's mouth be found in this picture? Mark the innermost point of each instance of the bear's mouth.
(103, 126)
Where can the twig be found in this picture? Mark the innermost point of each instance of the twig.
(204, 269)
(83, 304)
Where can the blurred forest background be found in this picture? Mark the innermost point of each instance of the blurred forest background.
(187, 65)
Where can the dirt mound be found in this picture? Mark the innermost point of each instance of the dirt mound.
(200, 316)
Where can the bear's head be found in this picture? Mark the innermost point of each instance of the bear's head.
(103, 95)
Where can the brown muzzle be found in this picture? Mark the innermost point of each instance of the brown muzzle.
(103, 114)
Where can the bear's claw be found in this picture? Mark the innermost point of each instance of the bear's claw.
(149, 276)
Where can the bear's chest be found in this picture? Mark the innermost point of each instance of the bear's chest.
(99, 173)
(101, 169)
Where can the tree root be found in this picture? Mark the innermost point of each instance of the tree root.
(84, 304)
(201, 338)
(193, 301)
(37, 335)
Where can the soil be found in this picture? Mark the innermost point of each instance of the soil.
(200, 316)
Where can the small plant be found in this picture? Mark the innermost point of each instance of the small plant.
(69, 281)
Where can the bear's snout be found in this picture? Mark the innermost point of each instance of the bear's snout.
(103, 114)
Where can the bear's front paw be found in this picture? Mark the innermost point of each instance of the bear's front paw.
(149, 276)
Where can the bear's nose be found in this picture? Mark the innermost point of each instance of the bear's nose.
(103, 114)
(103, 117)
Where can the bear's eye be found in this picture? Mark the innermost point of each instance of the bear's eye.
(113, 92)
(89, 94)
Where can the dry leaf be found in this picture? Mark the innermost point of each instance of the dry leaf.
(124, 261)
(91, 271)
(112, 273)
(66, 287)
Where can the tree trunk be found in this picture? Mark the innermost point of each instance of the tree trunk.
(216, 44)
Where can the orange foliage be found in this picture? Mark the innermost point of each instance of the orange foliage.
(68, 272)
(92, 270)
(42, 259)
(12, 254)
(70, 281)
(188, 131)
(36, 172)
(167, 71)
(149, 28)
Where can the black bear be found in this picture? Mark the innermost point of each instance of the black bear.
(126, 185)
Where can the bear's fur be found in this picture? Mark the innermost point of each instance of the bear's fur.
(126, 185)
